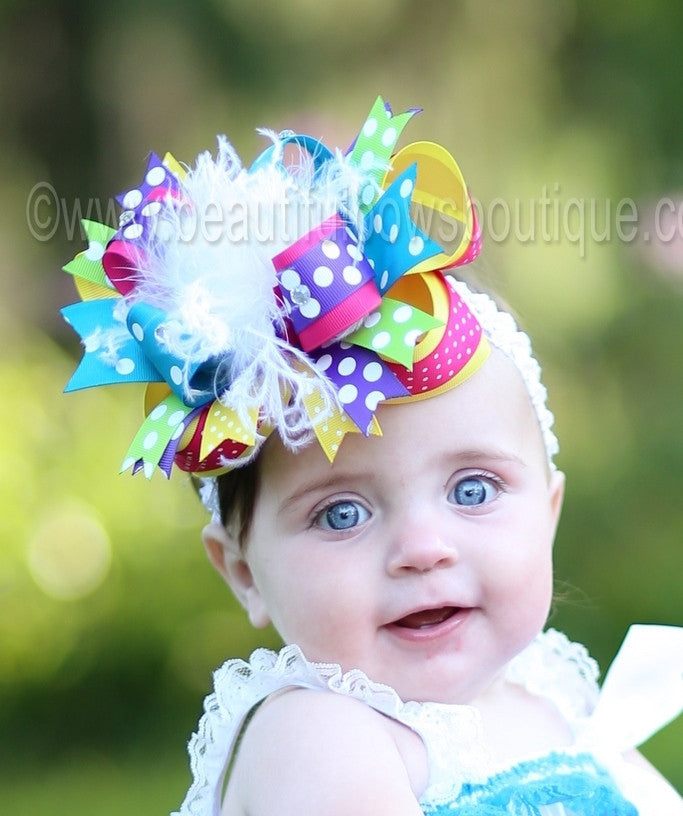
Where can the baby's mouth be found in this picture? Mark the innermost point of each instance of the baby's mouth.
(425, 618)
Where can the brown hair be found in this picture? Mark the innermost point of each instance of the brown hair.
(237, 491)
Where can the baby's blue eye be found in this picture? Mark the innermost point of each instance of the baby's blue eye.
(473, 490)
(343, 515)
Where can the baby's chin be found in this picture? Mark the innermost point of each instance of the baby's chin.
(454, 682)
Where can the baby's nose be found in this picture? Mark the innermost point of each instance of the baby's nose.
(421, 546)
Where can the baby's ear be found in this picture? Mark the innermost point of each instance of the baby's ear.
(556, 488)
(226, 555)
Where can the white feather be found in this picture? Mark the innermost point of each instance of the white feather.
(211, 272)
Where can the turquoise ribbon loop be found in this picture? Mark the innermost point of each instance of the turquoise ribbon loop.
(272, 156)
(195, 383)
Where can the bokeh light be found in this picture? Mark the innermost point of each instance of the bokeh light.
(69, 553)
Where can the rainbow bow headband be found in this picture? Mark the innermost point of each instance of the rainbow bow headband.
(287, 296)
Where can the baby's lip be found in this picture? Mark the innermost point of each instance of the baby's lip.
(426, 617)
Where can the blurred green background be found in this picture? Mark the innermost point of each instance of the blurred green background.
(567, 120)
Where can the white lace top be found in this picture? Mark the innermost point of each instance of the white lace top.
(642, 692)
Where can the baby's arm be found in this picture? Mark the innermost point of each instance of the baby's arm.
(318, 752)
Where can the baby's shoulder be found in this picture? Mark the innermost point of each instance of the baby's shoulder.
(309, 750)
(296, 712)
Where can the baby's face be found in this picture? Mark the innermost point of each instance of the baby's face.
(422, 557)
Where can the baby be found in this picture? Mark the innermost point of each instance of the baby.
(373, 441)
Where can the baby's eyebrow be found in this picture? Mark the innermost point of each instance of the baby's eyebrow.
(335, 481)
(478, 455)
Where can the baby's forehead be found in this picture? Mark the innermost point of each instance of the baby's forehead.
(503, 376)
(496, 388)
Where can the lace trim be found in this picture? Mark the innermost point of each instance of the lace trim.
(238, 687)
(453, 737)
(500, 328)
(551, 666)
(562, 671)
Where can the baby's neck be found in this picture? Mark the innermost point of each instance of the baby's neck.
(518, 724)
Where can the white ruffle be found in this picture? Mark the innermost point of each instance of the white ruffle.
(556, 668)
(453, 735)
(648, 666)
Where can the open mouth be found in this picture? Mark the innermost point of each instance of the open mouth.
(426, 618)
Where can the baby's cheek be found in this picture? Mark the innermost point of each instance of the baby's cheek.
(525, 589)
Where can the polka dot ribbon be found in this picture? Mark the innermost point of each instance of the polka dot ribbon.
(365, 301)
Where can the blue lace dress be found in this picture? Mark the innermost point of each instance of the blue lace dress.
(642, 692)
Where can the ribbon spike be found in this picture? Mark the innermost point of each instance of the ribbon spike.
(375, 143)
(87, 265)
(164, 424)
(361, 378)
(331, 428)
(158, 181)
(174, 166)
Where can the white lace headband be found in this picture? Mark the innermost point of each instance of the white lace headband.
(502, 332)
(286, 297)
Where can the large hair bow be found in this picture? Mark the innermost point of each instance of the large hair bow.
(350, 313)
